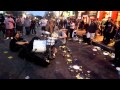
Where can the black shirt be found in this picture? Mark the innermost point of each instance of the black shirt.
(92, 27)
(108, 26)
(13, 46)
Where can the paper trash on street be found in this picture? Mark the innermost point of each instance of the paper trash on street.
(76, 67)
(5, 52)
(68, 55)
(88, 71)
(98, 48)
(78, 76)
(105, 53)
(69, 60)
(10, 57)
(112, 55)
(27, 77)
(94, 49)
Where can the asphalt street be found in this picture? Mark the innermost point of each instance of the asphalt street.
(79, 62)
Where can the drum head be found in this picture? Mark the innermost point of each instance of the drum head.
(39, 46)
(46, 32)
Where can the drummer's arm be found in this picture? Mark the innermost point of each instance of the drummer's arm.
(63, 36)
(22, 43)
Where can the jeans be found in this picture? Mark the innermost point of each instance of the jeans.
(27, 30)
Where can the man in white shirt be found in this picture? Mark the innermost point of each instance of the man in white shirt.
(9, 26)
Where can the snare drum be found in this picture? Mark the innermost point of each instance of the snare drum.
(51, 41)
(46, 32)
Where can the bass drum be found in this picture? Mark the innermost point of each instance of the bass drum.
(39, 46)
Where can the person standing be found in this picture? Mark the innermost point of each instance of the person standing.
(27, 24)
(81, 25)
(44, 22)
(91, 31)
(51, 26)
(113, 31)
(72, 28)
(65, 23)
(2, 25)
(9, 26)
(107, 31)
(68, 28)
(19, 25)
(32, 27)
(61, 24)
(117, 35)
(116, 60)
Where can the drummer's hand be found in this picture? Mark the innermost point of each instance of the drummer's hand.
(27, 42)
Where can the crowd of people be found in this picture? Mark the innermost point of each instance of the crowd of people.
(10, 25)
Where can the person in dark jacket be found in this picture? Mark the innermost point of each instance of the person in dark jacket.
(116, 61)
(107, 31)
(61, 23)
(2, 25)
(32, 27)
(113, 32)
(81, 25)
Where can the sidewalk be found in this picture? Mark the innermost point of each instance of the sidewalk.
(98, 41)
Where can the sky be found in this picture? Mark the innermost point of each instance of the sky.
(40, 13)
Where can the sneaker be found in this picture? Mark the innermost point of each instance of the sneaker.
(11, 37)
(7, 38)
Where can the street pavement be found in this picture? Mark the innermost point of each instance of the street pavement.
(89, 64)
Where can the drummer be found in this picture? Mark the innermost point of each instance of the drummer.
(61, 39)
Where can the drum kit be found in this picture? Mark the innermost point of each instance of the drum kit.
(45, 45)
